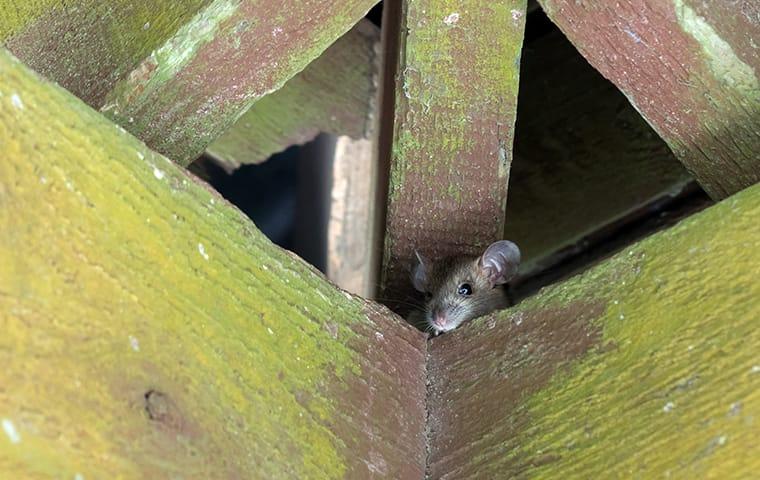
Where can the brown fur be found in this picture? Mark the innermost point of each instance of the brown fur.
(442, 284)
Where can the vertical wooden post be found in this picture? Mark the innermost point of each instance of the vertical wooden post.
(455, 104)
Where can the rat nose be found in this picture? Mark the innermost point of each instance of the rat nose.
(439, 319)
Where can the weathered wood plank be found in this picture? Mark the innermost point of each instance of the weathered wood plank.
(584, 158)
(350, 241)
(690, 68)
(150, 331)
(643, 367)
(452, 147)
(88, 45)
(336, 93)
(193, 88)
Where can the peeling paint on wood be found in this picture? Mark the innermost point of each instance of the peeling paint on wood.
(692, 70)
(336, 93)
(643, 367)
(455, 108)
(150, 331)
(196, 86)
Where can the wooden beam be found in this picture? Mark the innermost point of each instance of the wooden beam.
(350, 238)
(193, 89)
(643, 367)
(690, 68)
(150, 331)
(88, 45)
(584, 158)
(452, 145)
(336, 93)
(178, 76)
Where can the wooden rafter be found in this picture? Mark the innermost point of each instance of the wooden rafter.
(181, 92)
(690, 68)
(334, 94)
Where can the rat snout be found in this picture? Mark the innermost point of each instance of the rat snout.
(439, 319)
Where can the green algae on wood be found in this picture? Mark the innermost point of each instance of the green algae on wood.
(692, 70)
(644, 366)
(89, 45)
(196, 86)
(334, 94)
(456, 98)
(151, 331)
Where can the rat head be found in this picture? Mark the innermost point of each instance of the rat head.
(458, 289)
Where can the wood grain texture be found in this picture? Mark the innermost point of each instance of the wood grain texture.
(150, 331)
(692, 70)
(642, 367)
(456, 94)
(89, 45)
(584, 158)
(336, 93)
(350, 255)
(197, 85)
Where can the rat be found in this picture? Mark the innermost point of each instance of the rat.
(460, 288)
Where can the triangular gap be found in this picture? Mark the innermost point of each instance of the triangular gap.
(287, 196)
(589, 175)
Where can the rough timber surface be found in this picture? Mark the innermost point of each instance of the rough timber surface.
(578, 142)
(334, 94)
(88, 45)
(193, 88)
(692, 69)
(455, 107)
(645, 366)
(150, 331)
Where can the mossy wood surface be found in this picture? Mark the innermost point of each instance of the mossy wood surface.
(334, 94)
(578, 143)
(193, 88)
(456, 96)
(645, 366)
(150, 331)
(89, 45)
(692, 68)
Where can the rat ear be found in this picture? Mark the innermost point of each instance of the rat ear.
(419, 273)
(499, 262)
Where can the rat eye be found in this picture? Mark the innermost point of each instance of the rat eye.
(464, 289)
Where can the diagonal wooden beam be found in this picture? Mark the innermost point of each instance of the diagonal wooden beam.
(452, 144)
(177, 74)
(584, 158)
(194, 87)
(690, 68)
(88, 45)
(334, 94)
(150, 331)
(643, 367)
